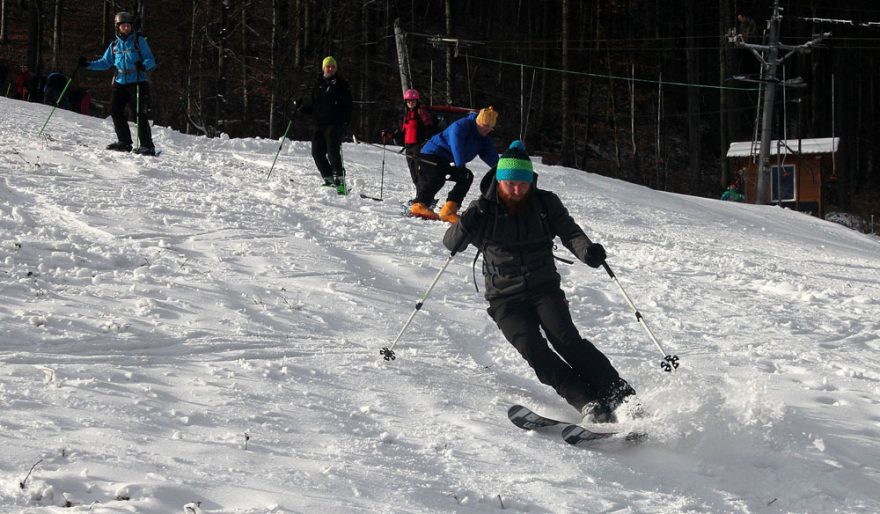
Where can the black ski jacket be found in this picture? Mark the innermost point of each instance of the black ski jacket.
(331, 102)
(517, 249)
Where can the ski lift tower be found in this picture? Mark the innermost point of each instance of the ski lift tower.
(770, 80)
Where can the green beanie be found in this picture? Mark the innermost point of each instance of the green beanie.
(515, 164)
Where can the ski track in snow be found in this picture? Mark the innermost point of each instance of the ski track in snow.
(183, 329)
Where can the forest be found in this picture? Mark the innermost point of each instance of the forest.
(648, 91)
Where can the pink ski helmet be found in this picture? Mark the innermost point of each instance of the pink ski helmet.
(410, 94)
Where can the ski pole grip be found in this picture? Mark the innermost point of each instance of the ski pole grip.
(608, 269)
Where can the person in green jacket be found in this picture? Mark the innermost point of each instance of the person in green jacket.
(732, 195)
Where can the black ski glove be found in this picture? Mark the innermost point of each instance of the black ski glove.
(140, 66)
(595, 255)
(82, 62)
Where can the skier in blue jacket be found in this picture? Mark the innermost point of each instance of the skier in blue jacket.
(130, 54)
(459, 144)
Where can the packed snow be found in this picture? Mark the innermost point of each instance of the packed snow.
(184, 334)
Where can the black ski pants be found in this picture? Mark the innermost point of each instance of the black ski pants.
(412, 162)
(127, 94)
(577, 370)
(434, 172)
(327, 152)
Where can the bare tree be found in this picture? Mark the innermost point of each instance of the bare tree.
(220, 81)
(724, 135)
(273, 67)
(693, 96)
(33, 14)
(3, 22)
(449, 51)
(565, 85)
(56, 35)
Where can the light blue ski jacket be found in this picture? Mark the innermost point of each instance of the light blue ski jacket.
(124, 53)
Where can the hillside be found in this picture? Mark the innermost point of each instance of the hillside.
(182, 329)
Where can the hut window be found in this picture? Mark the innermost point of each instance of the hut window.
(782, 183)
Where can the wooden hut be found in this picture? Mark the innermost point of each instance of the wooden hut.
(804, 173)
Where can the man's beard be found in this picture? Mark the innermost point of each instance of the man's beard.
(514, 206)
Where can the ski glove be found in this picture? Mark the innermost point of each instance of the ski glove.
(140, 66)
(595, 255)
(82, 62)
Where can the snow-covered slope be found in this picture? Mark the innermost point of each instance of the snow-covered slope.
(181, 329)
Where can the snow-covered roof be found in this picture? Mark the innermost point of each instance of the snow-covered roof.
(788, 147)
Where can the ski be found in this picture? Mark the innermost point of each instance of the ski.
(577, 435)
(527, 419)
(573, 434)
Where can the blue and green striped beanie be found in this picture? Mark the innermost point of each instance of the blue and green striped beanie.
(515, 164)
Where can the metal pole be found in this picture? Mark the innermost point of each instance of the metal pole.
(57, 102)
(669, 362)
(382, 176)
(388, 352)
(289, 124)
(769, 99)
(137, 115)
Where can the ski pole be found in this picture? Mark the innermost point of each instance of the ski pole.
(283, 137)
(669, 362)
(388, 352)
(382, 177)
(359, 142)
(58, 102)
(382, 180)
(137, 116)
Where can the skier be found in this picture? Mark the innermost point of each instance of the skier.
(732, 195)
(416, 126)
(23, 83)
(130, 54)
(513, 224)
(458, 144)
(55, 84)
(331, 106)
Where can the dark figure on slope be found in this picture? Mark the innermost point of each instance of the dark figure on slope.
(130, 54)
(514, 224)
(417, 125)
(330, 105)
(732, 195)
(459, 144)
(55, 84)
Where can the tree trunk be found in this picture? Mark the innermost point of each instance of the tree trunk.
(56, 36)
(693, 100)
(448, 19)
(190, 69)
(273, 70)
(35, 35)
(723, 135)
(105, 18)
(298, 30)
(223, 34)
(244, 66)
(612, 115)
(365, 79)
(3, 23)
(564, 83)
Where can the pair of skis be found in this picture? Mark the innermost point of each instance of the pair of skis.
(573, 434)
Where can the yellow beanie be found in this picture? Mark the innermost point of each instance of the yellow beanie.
(328, 60)
(487, 117)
